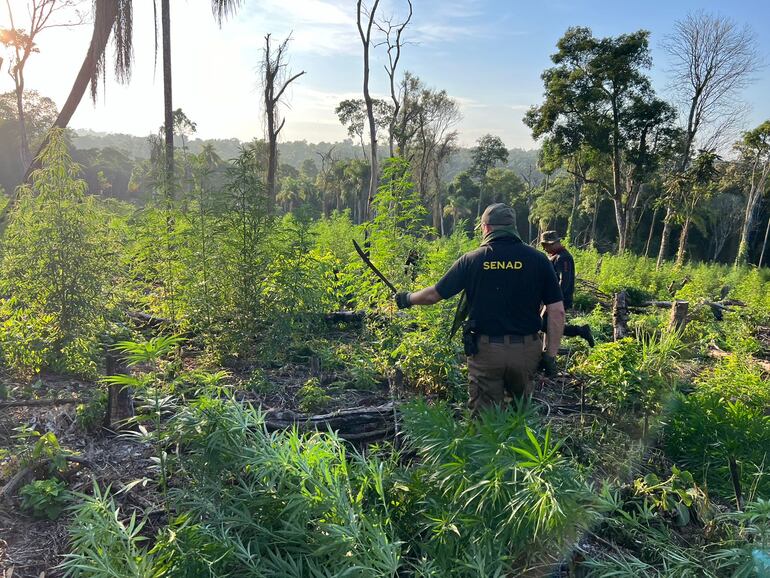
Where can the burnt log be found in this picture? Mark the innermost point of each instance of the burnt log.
(41, 402)
(678, 319)
(120, 404)
(366, 424)
(28, 474)
(620, 317)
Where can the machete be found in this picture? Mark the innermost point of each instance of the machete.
(376, 271)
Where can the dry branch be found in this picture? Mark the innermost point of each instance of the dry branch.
(40, 402)
(26, 474)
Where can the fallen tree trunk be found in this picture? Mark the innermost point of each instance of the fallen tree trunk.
(41, 402)
(720, 304)
(365, 424)
(716, 353)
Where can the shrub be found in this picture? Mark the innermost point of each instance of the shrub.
(280, 504)
(723, 424)
(488, 495)
(102, 544)
(312, 397)
(55, 265)
(44, 498)
(90, 415)
(630, 375)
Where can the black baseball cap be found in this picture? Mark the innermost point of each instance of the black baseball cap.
(498, 214)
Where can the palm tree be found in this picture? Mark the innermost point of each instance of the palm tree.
(457, 207)
(115, 18)
(111, 18)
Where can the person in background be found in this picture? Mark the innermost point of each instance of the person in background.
(564, 266)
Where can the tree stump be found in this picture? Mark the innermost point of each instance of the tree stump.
(620, 317)
(315, 366)
(120, 405)
(678, 319)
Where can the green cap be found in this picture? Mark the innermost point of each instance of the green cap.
(498, 214)
(549, 238)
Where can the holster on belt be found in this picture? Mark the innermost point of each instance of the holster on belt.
(470, 338)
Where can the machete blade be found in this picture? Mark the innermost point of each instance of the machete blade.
(374, 269)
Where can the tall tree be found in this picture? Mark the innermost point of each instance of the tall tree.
(168, 107)
(434, 140)
(365, 18)
(489, 151)
(597, 95)
(112, 18)
(353, 116)
(274, 81)
(754, 149)
(697, 187)
(712, 60)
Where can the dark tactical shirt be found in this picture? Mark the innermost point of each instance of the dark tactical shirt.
(564, 265)
(506, 283)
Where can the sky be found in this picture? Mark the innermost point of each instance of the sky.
(487, 54)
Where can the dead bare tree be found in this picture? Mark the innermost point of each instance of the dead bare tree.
(22, 43)
(365, 18)
(394, 42)
(275, 83)
(327, 161)
(712, 60)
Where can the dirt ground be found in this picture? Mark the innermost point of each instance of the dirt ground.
(31, 548)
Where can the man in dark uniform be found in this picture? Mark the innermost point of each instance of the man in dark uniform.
(506, 284)
(564, 265)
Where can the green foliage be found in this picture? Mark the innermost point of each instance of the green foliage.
(90, 415)
(674, 496)
(485, 498)
(36, 448)
(278, 504)
(151, 355)
(45, 498)
(724, 417)
(103, 545)
(630, 375)
(56, 266)
(312, 397)
(489, 491)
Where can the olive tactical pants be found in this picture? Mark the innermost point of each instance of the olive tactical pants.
(504, 364)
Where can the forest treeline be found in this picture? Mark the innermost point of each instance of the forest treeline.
(621, 166)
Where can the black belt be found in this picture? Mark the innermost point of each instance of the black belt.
(513, 338)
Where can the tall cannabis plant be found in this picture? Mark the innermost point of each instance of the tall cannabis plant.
(56, 269)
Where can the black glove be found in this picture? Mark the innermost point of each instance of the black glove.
(548, 365)
(402, 300)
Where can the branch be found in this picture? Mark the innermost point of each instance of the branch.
(286, 84)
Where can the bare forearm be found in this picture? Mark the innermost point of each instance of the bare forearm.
(556, 317)
(427, 296)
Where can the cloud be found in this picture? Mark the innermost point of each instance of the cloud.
(317, 26)
(468, 103)
(520, 107)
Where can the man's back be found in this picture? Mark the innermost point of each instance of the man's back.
(506, 283)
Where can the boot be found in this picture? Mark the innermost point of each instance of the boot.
(585, 333)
